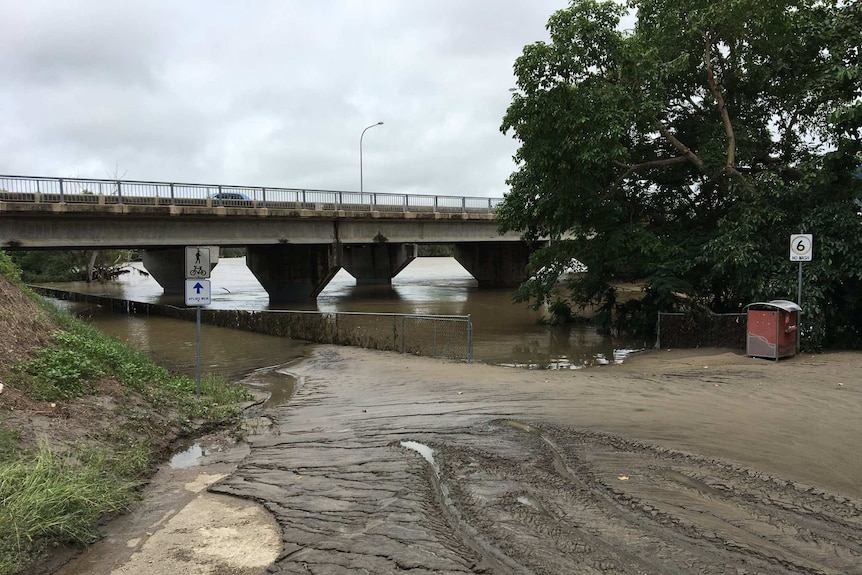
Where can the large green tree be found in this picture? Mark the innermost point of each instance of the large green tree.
(684, 152)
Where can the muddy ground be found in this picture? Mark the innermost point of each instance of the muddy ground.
(680, 462)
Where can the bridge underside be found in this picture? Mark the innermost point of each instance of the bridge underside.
(296, 273)
(293, 253)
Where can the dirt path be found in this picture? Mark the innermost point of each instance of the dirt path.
(675, 462)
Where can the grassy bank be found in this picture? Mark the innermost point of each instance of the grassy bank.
(82, 420)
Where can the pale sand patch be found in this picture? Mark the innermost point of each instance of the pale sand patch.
(180, 527)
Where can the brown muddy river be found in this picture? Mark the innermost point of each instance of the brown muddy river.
(505, 333)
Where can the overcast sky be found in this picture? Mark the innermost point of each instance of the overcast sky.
(268, 92)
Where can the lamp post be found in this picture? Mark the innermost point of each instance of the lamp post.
(361, 188)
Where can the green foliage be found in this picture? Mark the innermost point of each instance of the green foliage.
(435, 250)
(8, 269)
(8, 443)
(685, 152)
(81, 355)
(47, 497)
(232, 252)
(65, 266)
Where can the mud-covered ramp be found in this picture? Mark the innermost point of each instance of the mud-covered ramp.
(385, 464)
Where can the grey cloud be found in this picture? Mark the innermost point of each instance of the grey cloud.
(265, 93)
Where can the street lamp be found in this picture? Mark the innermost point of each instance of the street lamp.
(360, 153)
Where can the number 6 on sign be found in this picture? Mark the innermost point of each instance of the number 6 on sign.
(800, 247)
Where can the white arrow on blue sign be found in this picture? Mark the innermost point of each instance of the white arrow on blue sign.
(198, 292)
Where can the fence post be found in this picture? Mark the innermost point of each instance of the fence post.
(62, 196)
(172, 193)
(469, 340)
(658, 332)
(119, 193)
(264, 197)
(463, 204)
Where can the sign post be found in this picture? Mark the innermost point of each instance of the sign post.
(198, 292)
(801, 247)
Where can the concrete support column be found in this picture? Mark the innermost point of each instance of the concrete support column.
(168, 267)
(494, 264)
(376, 264)
(293, 273)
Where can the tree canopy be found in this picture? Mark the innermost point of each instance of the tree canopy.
(684, 152)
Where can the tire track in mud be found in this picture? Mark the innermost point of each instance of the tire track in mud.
(551, 499)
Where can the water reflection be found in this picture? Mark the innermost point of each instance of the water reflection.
(504, 332)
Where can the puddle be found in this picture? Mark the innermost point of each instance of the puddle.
(188, 458)
(563, 362)
(279, 384)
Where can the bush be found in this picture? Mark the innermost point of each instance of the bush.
(9, 269)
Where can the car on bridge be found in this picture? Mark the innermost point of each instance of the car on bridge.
(231, 196)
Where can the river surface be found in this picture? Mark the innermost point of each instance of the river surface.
(505, 333)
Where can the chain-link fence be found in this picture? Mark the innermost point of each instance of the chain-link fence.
(448, 336)
(680, 330)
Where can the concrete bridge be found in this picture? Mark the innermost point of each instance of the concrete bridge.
(296, 239)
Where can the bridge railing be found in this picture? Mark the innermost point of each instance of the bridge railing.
(95, 191)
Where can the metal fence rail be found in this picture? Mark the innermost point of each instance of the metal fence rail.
(447, 336)
(37, 189)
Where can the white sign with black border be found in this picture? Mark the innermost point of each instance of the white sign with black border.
(198, 292)
(801, 247)
(197, 262)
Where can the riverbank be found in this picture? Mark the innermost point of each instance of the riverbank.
(83, 418)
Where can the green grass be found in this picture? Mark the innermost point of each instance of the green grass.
(81, 355)
(49, 498)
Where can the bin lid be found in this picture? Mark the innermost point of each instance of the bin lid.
(781, 304)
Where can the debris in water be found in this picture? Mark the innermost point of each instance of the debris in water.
(623, 477)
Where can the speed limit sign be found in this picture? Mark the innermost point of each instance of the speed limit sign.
(800, 247)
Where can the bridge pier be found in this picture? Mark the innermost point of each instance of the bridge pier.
(293, 273)
(376, 264)
(167, 266)
(494, 264)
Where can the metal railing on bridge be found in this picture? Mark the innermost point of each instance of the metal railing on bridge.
(94, 191)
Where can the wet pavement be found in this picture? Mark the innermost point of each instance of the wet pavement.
(388, 464)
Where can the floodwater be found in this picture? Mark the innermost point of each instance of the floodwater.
(505, 333)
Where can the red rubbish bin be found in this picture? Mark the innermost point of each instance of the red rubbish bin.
(771, 328)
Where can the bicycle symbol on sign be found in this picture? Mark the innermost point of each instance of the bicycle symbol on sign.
(197, 271)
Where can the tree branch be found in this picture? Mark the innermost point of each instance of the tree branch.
(662, 163)
(722, 107)
(683, 149)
